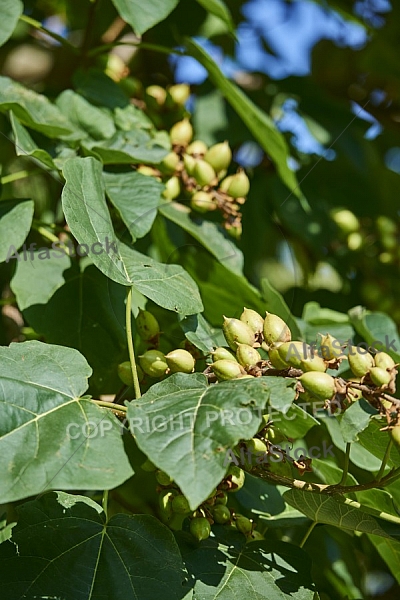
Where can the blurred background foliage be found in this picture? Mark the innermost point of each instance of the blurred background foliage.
(326, 72)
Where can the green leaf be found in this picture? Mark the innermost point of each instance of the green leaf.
(389, 550)
(220, 10)
(90, 120)
(127, 147)
(277, 305)
(25, 146)
(92, 309)
(332, 511)
(11, 10)
(209, 234)
(228, 568)
(6, 530)
(99, 89)
(49, 437)
(15, 222)
(65, 548)
(141, 16)
(377, 327)
(258, 122)
(186, 427)
(200, 333)
(86, 212)
(32, 109)
(356, 419)
(375, 441)
(295, 423)
(136, 197)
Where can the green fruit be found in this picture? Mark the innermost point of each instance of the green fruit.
(189, 163)
(252, 319)
(202, 202)
(275, 436)
(203, 173)
(156, 95)
(243, 524)
(354, 241)
(316, 363)
(153, 363)
(180, 505)
(345, 220)
(330, 347)
(148, 466)
(227, 369)
(319, 385)
(148, 171)
(221, 498)
(125, 373)
(181, 133)
(237, 332)
(386, 226)
(170, 162)
(197, 148)
(256, 446)
(172, 188)
(275, 329)
(383, 361)
(200, 528)
(165, 500)
(147, 325)
(379, 376)
(180, 361)
(219, 156)
(274, 357)
(221, 514)
(237, 477)
(179, 93)
(360, 363)
(255, 536)
(395, 433)
(175, 522)
(247, 355)
(223, 354)
(294, 353)
(237, 185)
(163, 478)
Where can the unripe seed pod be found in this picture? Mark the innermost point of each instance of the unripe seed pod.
(180, 361)
(202, 202)
(221, 498)
(247, 355)
(360, 363)
(203, 173)
(235, 231)
(274, 435)
(274, 357)
(147, 325)
(379, 376)
(197, 148)
(319, 385)
(164, 501)
(221, 514)
(225, 183)
(294, 353)
(153, 363)
(180, 505)
(237, 332)
(330, 347)
(256, 446)
(383, 361)
(148, 466)
(255, 536)
(345, 220)
(247, 376)
(172, 188)
(275, 329)
(227, 369)
(189, 163)
(355, 241)
(125, 373)
(223, 354)
(219, 156)
(170, 162)
(200, 528)
(148, 171)
(316, 363)
(181, 133)
(163, 479)
(179, 93)
(237, 476)
(386, 225)
(243, 524)
(238, 186)
(156, 95)
(252, 319)
(395, 433)
(176, 521)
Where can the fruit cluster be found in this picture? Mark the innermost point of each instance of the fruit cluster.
(194, 173)
(174, 509)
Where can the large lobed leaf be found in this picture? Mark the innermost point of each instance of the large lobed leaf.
(15, 222)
